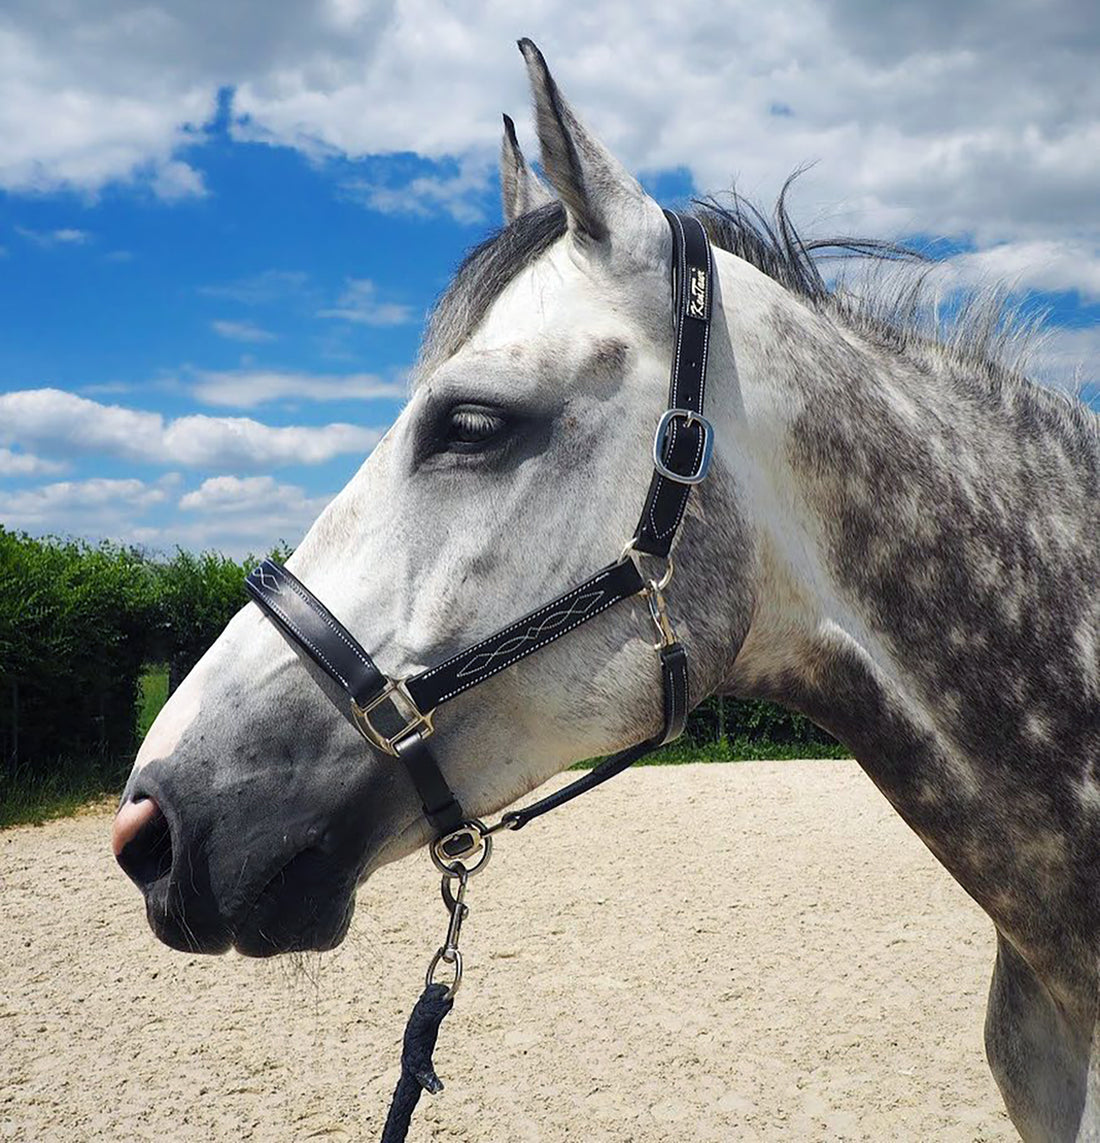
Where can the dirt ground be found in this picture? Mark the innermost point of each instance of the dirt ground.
(736, 952)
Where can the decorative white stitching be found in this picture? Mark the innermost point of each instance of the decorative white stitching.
(496, 670)
(485, 659)
(515, 626)
(298, 634)
(330, 620)
(262, 574)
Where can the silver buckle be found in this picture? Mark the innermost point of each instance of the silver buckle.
(415, 720)
(663, 426)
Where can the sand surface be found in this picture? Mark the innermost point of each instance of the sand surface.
(737, 952)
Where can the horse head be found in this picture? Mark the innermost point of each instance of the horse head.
(515, 470)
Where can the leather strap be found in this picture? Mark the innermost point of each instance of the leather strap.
(309, 623)
(675, 680)
(534, 631)
(685, 445)
(438, 801)
(674, 676)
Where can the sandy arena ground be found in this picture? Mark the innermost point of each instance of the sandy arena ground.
(738, 952)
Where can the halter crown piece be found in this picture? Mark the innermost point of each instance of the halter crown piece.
(396, 715)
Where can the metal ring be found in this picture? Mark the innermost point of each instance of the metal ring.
(448, 956)
(630, 550)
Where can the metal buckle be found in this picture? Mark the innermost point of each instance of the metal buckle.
(398, 695)
(663, 426)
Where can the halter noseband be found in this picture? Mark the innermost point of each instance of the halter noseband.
(396, 715)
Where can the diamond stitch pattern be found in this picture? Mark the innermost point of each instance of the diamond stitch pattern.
(579, 608)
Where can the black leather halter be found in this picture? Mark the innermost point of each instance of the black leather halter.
(396, 715)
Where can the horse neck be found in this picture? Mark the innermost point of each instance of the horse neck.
(924, 589)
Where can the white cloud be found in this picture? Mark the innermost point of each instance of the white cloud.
(241, 331)
(359, 304)
(62, 424)
(1038, 265)
(91, 95)
(62, 504)
(246, 388)
(239, 515)
(174, 180)
(234, 515)
(458, 195)
(66, 236)
(108, 388)
(249, 494)
(977, 120)
(27, 464)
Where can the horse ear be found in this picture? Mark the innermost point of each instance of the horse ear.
(521, 189)
(594, 186)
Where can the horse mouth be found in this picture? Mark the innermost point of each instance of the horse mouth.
(306, 906)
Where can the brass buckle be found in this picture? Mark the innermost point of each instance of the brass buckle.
(398, 695)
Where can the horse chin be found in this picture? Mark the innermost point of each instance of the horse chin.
(306, 907)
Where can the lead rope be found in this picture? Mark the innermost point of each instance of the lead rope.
(417, 1070)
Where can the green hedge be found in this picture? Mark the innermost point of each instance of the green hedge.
(73, 633)
(78, 624)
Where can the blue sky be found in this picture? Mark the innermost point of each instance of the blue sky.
(214, 272)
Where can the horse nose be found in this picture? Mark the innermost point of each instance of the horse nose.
(142, 841)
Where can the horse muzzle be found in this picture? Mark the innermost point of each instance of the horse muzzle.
(261, 873)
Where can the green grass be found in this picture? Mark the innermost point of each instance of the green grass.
(154, 694)
(30, 797)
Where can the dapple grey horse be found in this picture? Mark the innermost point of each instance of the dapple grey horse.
(899, 539)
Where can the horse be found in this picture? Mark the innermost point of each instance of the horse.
(899, 538)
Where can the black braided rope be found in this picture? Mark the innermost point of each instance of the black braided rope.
(417, 1070)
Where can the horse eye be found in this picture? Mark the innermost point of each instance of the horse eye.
(470, 425)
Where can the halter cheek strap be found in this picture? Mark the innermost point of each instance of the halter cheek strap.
(396, 715)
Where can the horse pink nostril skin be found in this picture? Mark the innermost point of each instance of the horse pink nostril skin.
(130, 821)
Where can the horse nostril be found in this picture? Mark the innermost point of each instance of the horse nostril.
(142, 842)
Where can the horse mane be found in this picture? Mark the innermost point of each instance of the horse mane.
(895, 303)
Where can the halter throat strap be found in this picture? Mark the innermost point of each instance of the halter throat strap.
(396, 715)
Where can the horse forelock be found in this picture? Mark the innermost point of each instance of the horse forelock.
(482, 277)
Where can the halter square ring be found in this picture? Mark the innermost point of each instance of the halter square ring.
(689, 417)
(402, 702)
